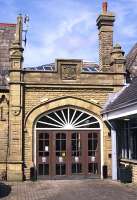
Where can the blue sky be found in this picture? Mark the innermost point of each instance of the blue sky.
(67, 28)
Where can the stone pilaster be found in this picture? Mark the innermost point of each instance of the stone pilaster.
(15, 106)
(105, 23)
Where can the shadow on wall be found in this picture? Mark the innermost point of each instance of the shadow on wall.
(4, 190)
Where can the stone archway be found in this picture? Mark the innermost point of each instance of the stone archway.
(49, 106)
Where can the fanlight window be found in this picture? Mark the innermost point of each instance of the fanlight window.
(67, 118)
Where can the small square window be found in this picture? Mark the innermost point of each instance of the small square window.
(109, 155)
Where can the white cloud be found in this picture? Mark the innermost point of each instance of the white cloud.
(68, 37)
(68, 29)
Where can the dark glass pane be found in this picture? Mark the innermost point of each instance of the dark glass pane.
(60, 114)
(60, 169)
(63, 169)
(76, 168)
(71, 113)
(46, 154)
(40, 169)
(46, 169)
(90, 135)
(41, 145)
(79, 167)
(95, 144)
(46, 136)
(78, 153)
(65, 113)
(90, 145)
(85, 115)
(63, 136)
(77, 115)
(134, 144)
(95, 135)
(41, 153)
(58, 153)
(91, 153)
(58, 145)
(41, 135)
(93, 168)
(57, 169)
(94, 125)
(53, 116)
(73, 168)
(63, 145)
(58, 136)
(46, 142)
(74, 153)
(74, 135)
(73, 145)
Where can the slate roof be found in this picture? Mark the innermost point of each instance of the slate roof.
(131, 61)
(7, 32)
(124, 98)
(87, 67)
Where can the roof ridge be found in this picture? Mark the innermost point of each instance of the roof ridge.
(7, 25)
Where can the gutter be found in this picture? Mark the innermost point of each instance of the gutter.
(115, 109)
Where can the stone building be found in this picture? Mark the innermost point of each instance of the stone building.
(50, 116)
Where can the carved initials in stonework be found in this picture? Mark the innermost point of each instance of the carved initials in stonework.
(2, 114)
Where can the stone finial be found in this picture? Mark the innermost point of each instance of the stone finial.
(104, 7)
(117, 59)
(117, 52)
(16, 49)
(18, 34)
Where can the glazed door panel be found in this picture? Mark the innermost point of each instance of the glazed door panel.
(68, 153)
(60, 153)
(76, 153)
(93, 153)
(43, 153)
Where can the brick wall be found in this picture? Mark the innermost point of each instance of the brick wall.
(3, 131)
(34, 96)
(105, 48)
(134, 173)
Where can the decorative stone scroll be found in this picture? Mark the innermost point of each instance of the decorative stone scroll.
(16, 110)
(68, 72)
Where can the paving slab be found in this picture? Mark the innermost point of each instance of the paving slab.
(85, 189)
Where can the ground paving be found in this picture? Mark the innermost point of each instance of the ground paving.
(68, 190)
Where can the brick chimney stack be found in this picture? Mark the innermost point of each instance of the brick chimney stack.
(105, 23)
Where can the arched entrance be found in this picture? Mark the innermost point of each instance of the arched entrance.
(67, 143)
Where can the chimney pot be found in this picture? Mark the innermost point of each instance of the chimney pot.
(104, 6)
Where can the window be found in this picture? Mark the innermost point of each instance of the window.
(43, 144)
(67, 118)
(129, 141)
(76, 144)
